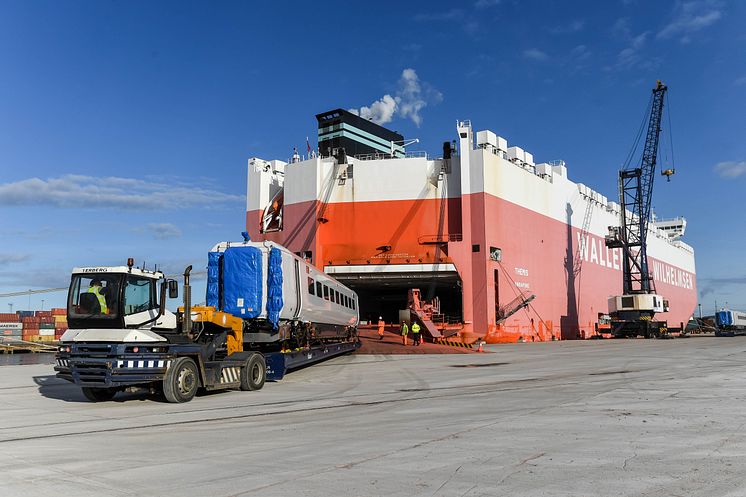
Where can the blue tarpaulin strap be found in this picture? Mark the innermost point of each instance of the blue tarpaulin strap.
(274, 287)
(213, 283)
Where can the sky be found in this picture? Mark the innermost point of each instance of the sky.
(125, 127)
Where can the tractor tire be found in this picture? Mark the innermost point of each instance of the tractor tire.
(253, 373)
(99, 394)
(181, 381)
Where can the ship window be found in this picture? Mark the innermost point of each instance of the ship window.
(311, 286)
(628, 302)
(496, 254)
(318, 289)
(475, 248)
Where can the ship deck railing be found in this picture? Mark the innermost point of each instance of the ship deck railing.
(419, 154)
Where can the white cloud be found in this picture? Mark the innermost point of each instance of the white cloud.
(535, 54)
(580, 53)
(89, 192)
(410, 98)
(731, 169)
(13, 258)
(164, 231)
(740, 81)
(484, 4)
(380, 112)
(630, 56)
(571, 27)
(690, 17)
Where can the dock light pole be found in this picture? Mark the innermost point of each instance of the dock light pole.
(700, 311)
(10, 304)
(42, 304)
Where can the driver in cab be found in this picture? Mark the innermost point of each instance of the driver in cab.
(97, 289)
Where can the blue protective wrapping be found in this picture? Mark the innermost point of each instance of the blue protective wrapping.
(213, 279)
(274, 287)
(724, 318)
(242, 281)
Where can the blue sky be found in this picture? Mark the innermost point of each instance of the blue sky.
(125, 126)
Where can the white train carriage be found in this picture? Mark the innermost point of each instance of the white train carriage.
(281, 297)
(730, 323)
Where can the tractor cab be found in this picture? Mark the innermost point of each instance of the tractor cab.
(119, 297)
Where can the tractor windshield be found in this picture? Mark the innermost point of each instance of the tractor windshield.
(94, 295)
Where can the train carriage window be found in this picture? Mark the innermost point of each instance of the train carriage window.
(347, 302)
(311, 286)
(318, 289)
(335, 297)
(326, 292)
(344, 301)
(353, 304)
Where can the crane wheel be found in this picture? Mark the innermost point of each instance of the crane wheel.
(181, 381)
(99, 394)
(253, 373)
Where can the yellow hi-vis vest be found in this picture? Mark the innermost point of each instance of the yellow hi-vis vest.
(415, 328)
(101, 299)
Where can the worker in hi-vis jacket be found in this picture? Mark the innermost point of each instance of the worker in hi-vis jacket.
(416, 333)
(404, 332)
(381, 326)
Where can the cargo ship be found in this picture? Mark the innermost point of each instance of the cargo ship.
(510, 249)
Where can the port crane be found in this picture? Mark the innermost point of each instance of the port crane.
(633, 312)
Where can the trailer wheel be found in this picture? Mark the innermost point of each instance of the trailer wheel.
(253, 373)
(181, 381)
(99, 394)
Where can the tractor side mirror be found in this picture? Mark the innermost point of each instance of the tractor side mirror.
(173, 289)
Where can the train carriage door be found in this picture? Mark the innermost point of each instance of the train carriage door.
(298, 290)
(290, 287)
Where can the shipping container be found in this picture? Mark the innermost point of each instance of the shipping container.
(9, 317)
(11, 329)
(59, 311)
(25, 314)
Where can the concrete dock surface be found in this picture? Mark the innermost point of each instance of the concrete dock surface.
(594, 418)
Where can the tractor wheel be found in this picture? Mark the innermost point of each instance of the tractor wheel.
(253, 373)
(181, 381)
